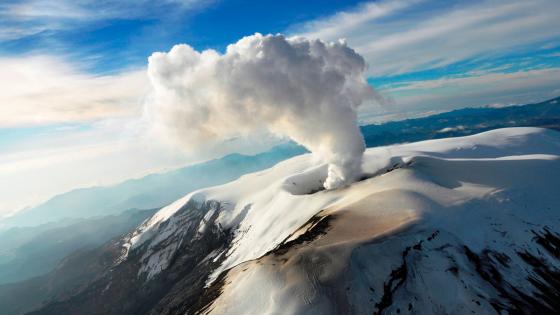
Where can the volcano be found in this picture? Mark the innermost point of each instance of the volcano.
(457, 226)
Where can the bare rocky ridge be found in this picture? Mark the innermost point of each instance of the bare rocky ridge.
(123, 289)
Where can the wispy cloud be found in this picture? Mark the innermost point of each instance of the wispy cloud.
(45, 90)
(345, 22)
(21, 19)
(440, 55)
(45, 9)
(94, 10)
(402, 36)
(483, 79)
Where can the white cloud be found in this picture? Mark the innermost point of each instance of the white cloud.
(28, 17)
(306, 90)
(44, 9)
(344, 22)
(45, 90)
(91, 126)
(513, 80)
(92, 9)
(402, 36)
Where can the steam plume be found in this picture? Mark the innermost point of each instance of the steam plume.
(307, 90)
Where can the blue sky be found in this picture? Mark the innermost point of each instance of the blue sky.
(74, 71)
(113, 42)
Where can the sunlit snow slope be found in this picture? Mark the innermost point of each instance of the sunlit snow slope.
(457, 226)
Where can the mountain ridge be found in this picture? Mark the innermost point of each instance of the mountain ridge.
(438, 216)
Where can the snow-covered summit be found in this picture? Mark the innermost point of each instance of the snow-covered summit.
(456, 225)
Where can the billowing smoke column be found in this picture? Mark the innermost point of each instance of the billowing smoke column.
(307, 90)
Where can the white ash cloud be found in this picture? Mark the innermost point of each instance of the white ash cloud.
(307, 90)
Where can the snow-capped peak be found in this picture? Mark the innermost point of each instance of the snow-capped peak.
(485, 191)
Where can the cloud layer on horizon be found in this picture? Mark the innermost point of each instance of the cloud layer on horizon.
(40, 90)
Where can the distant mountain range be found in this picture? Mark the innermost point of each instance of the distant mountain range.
(27, 252)
(463, 122)
(151, 191)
